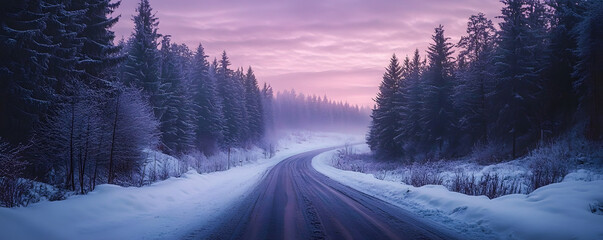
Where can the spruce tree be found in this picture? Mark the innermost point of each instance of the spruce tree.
(142, 67)
(226, 91)
(589, 69)
(268, 111)
(241, 117)
(253, 103)
(26, 93)
(474, 80)
(561, 99)
(97, 52)
(437, 114)
(518, 71)
(409, 107)
(172, 77)
(384, 117)
(209, 120)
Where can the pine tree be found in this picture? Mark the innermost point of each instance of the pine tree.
(589, 69)
(409, 107)
(208, 109)
(474, 80)
(172, 77)
(518, 72)
(98, 51)
(26, 93)
(253, 103)
(384, 117)
(142, 65)
(562, 100)
(241, 117)
(268, 111)
(186, 117)
(437, 112)
(64, 25)
(226, 90)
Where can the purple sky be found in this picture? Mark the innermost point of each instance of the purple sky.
(335, 47)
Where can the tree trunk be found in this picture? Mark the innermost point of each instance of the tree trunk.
(596, 116)
(85, 159)
(70, 178)
(110, 177)
(93, 180)
(513, 143)
(483, 113)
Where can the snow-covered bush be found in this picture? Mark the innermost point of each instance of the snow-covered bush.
(492, 185)
(423, 174)
(347, 159)
(134, 128)
(548, 165)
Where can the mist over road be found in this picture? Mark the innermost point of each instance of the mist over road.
(294, 201)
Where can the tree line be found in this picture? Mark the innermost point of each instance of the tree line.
(79, 109)
(530, 80)
(293, 110)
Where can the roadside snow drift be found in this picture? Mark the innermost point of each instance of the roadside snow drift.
(168, 209)
(566, 210)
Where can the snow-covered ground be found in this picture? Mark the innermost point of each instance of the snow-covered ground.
(164, 210)
(571, 209)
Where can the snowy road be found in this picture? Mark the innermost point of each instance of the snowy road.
(294, 201)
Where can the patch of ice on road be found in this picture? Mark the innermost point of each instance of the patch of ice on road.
(566, 210)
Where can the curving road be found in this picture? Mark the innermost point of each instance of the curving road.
(294, 201)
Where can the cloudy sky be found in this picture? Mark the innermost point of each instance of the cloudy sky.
(333, 47)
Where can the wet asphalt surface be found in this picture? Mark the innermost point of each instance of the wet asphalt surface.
(294, 201)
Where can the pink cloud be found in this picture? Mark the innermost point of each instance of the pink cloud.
(338, 48)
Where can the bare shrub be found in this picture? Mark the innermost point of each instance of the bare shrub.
(491, 185)
(463, 183)
(347, 159)
(268, 149)
(421, 175)
(14, 191)
(165, 171)
(381, 174)
(193, 160)
(546, 171)
(549, 165)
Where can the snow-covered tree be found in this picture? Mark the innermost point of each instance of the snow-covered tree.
(97, 52)
(26, 93)
(141, 68)
(68, 141)
(474, 80)
(268, 111)
(518, 62)
(437, 114)
(230, 90)
(177, 121)
(133, 128)
(410, 106)
(254, 107)
(208, 108)
(384, 117)
(292, 110)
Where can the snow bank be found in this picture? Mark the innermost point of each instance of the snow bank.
(557, 211)
(164, 210)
